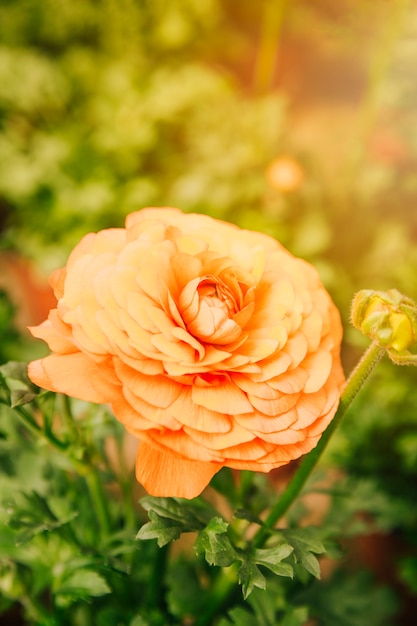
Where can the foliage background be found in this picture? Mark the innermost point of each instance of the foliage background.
(108, 106)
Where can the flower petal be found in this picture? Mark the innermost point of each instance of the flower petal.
(163, 473)
(75, 375)
(159, 391)
(222, 398)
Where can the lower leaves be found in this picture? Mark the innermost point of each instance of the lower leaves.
(171, 517)
(68, 553)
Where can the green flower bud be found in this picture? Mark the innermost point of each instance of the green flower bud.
(390, 319)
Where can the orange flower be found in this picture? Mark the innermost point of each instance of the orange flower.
(214, 345)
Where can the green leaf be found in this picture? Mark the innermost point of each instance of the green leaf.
(249, 574)
(250, 577)
(82, 584)
(16, 370)
(18, 397)
(170, 517)
(306, 545)
(37, 529)
(163, 529)
(215, 544)
(34, 518)
(14, 378)
(271, 558)
(196, 512)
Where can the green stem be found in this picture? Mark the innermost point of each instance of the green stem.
(156, 586)
(222, 592)
(272, 19)
(355, 381)
(83, 467)
(100, 507)
(36, 430)
(246, 481)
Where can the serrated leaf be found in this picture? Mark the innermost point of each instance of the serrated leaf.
(271, 558)
(196, 512)
(37, 529)
(34, 518)
(163, 529)
(215, 544)
(310, 563)
(274, 554)
(170, 517)
(250, 577)
(304, 537)
(305, 545)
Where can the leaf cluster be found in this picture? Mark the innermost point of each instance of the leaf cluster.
(55, 544)
(170, 517)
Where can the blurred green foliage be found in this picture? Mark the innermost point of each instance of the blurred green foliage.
(108, 106)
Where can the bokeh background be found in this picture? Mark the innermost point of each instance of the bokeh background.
(295, 118)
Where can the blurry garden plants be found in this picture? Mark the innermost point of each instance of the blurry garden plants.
(236, 110)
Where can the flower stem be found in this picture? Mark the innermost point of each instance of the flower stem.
(156, 585)
(83, 466)
(32, 425)
(100, 507)
(355, 381)
(223, 590)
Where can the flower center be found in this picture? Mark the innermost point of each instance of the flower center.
(214, 311)
(217, 295)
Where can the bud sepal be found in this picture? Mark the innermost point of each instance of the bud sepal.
(390, 319)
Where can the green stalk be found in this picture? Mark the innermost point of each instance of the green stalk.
(99, 502)
(355, 381)
(37, 430)
(221, 595)
(156, 587)
(83, 467)
(272, 20)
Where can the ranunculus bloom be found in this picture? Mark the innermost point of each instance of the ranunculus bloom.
(213, 345)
